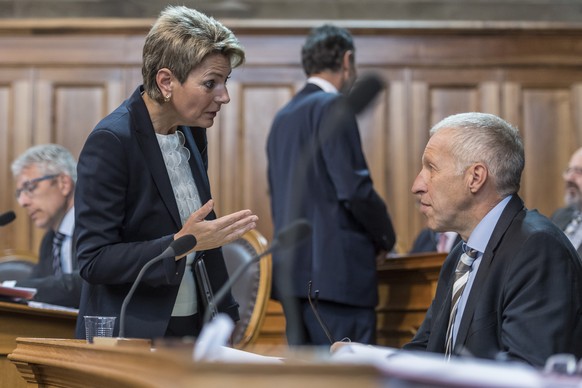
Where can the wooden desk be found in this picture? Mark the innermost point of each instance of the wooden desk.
(406, 286)
(73, 363)
(17, 320)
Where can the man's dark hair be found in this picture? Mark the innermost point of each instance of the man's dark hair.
(324, 49)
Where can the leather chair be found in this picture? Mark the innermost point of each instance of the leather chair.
(252, 291)
(16, 265)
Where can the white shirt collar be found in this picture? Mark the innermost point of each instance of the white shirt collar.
(68, 223)
(323, 84)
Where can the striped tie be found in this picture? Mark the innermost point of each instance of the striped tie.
(461, 276)
(57, 245)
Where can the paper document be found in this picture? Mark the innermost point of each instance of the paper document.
(431, 368)
(48, 306)
(17, 292)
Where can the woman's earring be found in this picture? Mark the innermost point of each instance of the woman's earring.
(167, 98)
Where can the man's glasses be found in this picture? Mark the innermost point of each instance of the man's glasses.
(28, 187)
(313, 304)
(572, 170)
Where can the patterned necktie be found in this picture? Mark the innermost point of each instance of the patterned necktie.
(461, 277)
(57, 245)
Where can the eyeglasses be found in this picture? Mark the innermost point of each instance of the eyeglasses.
(28, 187)
(572, 170)
(313, 304)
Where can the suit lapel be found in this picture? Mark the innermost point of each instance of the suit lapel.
(196, 143)
(512, 209)
(441, 316)
(152, 155)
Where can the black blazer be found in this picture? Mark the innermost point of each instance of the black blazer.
(126, 214)
(331, 187)
(525, 302)
(63, 289)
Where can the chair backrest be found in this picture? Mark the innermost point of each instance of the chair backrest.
(16, 265)
(252, 291)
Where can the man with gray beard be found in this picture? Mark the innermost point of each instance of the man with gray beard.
(569, 218)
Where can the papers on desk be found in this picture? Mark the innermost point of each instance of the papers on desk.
(211, 344)
(431, 368)
(226, 354)
(48, 306)
(17, 293)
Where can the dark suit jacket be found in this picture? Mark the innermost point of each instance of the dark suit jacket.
(525, 302)
(126, 214)
(562, 218)
(317, 171)
(426, 241)
(62, 290)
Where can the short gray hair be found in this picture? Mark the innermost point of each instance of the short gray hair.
(180, 40)
(486, 138)
(49, 159)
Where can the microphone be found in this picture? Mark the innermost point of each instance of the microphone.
(294, 233)
(7, 218)
(364, 91)
(178, 247)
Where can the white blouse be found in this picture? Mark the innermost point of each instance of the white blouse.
(176, 157)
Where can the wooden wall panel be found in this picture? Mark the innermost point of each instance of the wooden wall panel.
(260, 106)
(16, 115)
(544, 103)
(400, 159)
(69, 102)
(55, 84)
(446, 101)
(546, 126)
(65, 106)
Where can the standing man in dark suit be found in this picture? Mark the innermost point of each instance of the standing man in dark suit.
(320, 173)
(45, 180)
(521, 297)
(569, 218)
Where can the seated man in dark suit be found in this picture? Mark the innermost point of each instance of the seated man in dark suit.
(45, 182)
(430, 241)
(513, 289)
(569, 218)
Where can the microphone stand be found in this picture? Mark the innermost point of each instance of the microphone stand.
(291, 235)
(178, 247)
(212, 307)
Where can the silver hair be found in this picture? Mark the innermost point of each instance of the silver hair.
(49, 159)
(486, 138)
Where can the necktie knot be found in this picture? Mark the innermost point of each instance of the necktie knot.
(467, 259)
(472, 253)
(58, 238)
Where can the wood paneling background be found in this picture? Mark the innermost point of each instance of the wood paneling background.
(59, 77)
